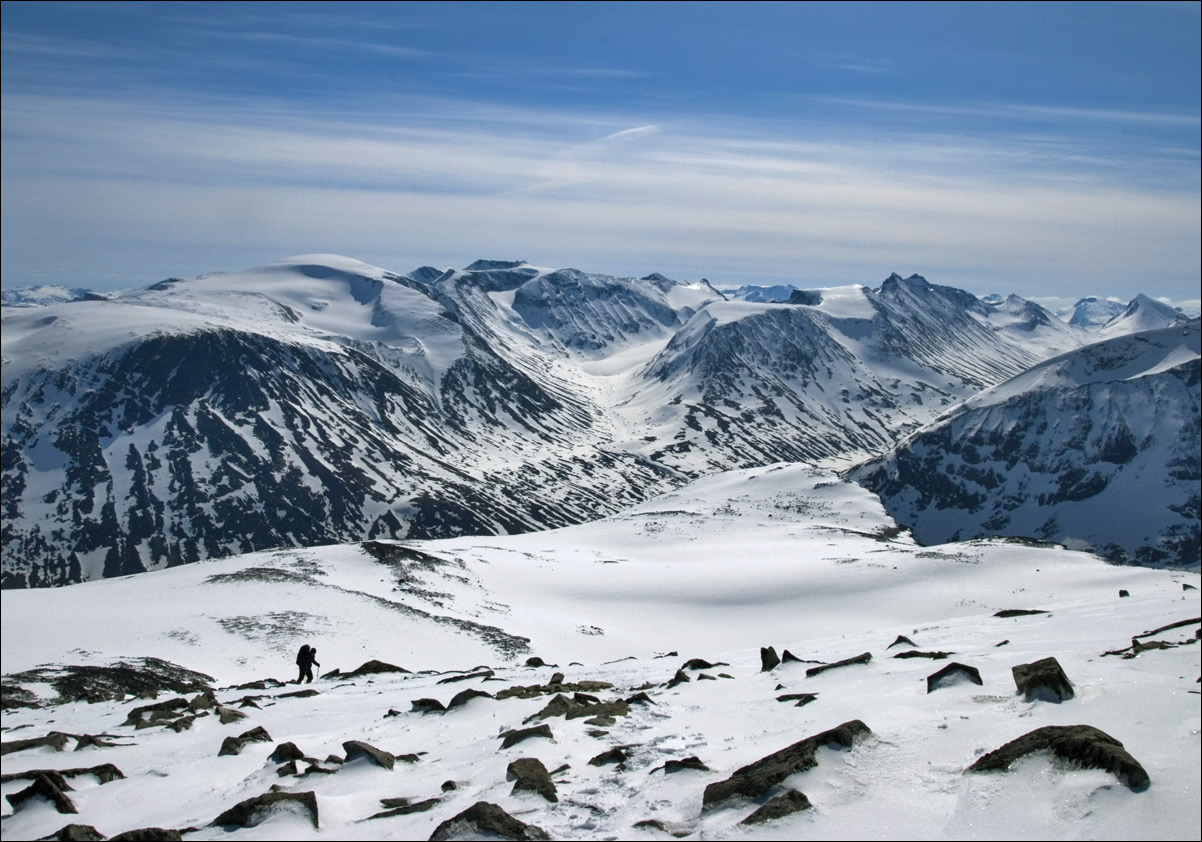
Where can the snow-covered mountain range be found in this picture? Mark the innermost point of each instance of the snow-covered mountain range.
(1097, 448)
(323, 400)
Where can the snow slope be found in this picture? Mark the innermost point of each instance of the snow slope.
(785, 555)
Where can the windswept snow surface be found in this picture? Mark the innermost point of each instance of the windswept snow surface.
(784, 555)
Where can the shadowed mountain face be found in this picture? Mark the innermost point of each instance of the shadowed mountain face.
(322, 400)
(1097, 449)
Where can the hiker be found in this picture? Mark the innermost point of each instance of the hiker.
(306, 659)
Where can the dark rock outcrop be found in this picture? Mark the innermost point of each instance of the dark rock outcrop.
(755, 779)
(914, 653)
(234, 745)
(373, 667)
(50, 787)
(692, 762)
(255, 810)
(530, 775)
(769, 660)
(782, 805)
(464, 696)
(1018, 612)
(105, 773)
(802, 699)
(356, 748)
(679, 678)
(532, 690)
(402, 807)
(1080, 744)
(1043, 679)
(285, 752)
(862, 658)
(615, 755)
(428, 706)
(484, 818)
(951, 674)
(55, 740)
(513, 737)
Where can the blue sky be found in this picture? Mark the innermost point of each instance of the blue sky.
(1044, 149)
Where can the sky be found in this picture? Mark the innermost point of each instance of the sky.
(1046, 149)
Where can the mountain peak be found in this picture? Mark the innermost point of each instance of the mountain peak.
(488, 265)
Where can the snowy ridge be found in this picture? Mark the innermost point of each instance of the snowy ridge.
(320, 399)
(1097, 449)
(783, 556)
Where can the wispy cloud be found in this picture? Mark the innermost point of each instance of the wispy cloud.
(565, 188)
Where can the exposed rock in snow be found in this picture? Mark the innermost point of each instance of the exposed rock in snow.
(1081, 744)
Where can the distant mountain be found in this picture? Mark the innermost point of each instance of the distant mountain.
(46, 294)
(1097, 449)
(1094, 312)
(320, 399)
(1142, 313)
(761, 294)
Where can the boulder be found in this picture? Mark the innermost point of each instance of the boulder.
(512, 738)
(428, 706)
(914, 653)
(802, 699)
(45, 786)
(901, 640)
(405, 809)
(105, 773)
(138, 714)
(756, 779)
(679, 678)
(228, 715)
(307, 693)
(234, 745)
(374, 667)
(464, 696)
(255, 810)
(862, 658)
(356, 748)
(483, 819)
(284, 752)
(615, 755)
(532, 690)
(1043, 679)
(605, 709)
(55, 740)
(953, 673)
(487, 673)
(180, 725)
(530, 775)
(769, 660)
(1080, 744)
(787, 803)
(693, 762)
(92, 741)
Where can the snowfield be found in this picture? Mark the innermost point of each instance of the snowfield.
(785, 556)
